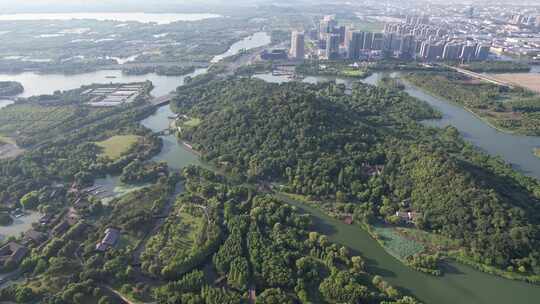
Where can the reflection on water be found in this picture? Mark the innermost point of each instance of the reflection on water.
(38, 84)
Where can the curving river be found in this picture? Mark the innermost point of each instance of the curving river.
(460, 284)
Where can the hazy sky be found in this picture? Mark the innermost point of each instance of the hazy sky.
(96, 5)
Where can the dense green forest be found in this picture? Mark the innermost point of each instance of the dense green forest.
(515, 110)
(368, 152)
(259, 245)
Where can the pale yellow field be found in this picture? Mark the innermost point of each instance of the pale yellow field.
(529, 81)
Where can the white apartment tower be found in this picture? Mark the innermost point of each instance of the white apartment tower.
(297, 45)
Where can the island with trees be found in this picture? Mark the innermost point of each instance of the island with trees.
(10, 88)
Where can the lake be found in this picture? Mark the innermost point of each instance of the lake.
(5, 103)
(254, 41)
(176, 155)
(119, 17)
(38, 84)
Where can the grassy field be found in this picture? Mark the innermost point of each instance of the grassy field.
(396, 244)
(354, 73)
(192, 122)
(115, 146)
(27, 117)
(434, 242)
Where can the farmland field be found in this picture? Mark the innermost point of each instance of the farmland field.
(529, 81)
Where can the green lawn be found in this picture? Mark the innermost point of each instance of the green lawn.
(353, 73)
(396, 244)
(192, 122)
(115, 146)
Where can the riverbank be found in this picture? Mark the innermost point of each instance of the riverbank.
(402, 246)
(480, 117)
(459, 284)
(512, 111)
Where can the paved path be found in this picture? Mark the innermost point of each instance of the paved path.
(481, 76)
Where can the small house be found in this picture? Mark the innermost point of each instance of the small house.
(408, 216)
(12, 253)
(109, 240)
(34, 236)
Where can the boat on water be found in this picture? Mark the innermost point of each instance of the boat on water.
(110, 77)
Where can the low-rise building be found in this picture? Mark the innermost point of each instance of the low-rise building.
(12, 254)
(109, 240)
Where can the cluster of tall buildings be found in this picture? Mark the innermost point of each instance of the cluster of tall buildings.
(428, 42)
(415, 38)
(525, 20)
(331, 36)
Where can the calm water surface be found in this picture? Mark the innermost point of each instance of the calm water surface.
(254, 41)
(5, 103)
(38, 84)
(459, 285)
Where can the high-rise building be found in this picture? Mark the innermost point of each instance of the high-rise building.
(406, 47)
(355, 44)
(468, 52)
(341, 32)
(482, 52)
(368, 40)
(469, 12)
(452, 51)
(431, 50)
(297, 45)
(327, 25)
(377, 42)
(332, 46)
(537, 22)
